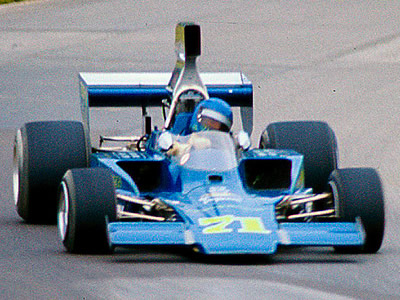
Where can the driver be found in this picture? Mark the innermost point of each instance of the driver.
(212, 114)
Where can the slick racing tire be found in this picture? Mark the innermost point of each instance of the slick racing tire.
(314, 139)
(43, 152)
(358, 193)
(87, 203)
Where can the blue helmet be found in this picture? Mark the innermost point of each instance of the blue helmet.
(214, 114)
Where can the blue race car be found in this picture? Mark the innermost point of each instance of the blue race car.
(190, 183)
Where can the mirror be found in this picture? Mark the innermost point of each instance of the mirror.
(165, 141)
(243, 140)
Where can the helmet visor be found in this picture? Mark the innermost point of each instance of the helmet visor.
(210, 119)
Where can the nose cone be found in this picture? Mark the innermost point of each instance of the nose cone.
(235, 234)
(229, 222)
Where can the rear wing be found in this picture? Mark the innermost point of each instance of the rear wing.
(150, 89)
(158, 89)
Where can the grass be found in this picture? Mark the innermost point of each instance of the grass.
(9, 1)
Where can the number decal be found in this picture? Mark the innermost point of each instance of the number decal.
(220, 225)
(216, 224)
(252, 225)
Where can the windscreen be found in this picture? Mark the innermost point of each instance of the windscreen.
(206, 151)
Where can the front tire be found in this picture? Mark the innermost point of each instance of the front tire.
(87, 203)
(358, 193)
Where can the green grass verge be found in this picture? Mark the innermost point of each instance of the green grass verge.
(9, 1)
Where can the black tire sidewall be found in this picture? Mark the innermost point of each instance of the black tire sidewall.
(314, 139)
(359, 193)
(92, 205)
(49, 149)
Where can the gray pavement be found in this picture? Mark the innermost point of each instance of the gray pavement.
(336, 61)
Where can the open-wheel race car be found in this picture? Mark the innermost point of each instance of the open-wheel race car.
(191, 184)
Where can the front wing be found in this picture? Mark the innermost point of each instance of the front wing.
(234, 242)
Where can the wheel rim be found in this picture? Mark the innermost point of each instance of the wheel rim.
(17, 166)
(63, 211)
(335, 195)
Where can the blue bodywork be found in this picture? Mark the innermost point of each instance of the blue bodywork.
(219, 208)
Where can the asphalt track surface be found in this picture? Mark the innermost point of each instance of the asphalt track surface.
(336, 61)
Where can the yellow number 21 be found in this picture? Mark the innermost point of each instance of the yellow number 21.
(220, 224)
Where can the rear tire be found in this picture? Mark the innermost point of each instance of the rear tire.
(358, 193)
(43, 152)
(87, 203)
(314, 139)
